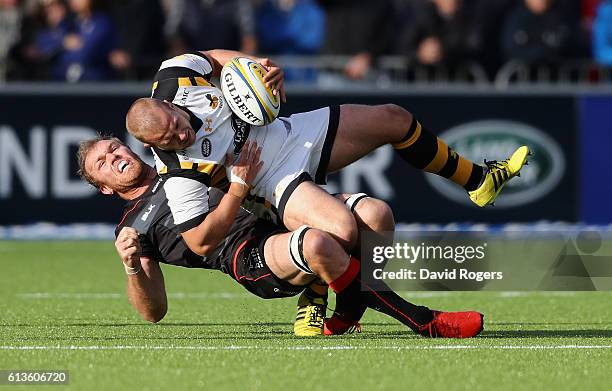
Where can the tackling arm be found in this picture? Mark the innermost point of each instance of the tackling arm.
(210, 232)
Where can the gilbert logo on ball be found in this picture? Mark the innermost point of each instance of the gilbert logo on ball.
(496, 139)
(245, 92)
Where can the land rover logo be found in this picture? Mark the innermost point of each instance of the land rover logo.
(206, 147)
(496, 140)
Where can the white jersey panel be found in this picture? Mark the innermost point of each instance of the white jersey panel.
(187, 198)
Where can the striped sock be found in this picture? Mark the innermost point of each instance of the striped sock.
(427, 152)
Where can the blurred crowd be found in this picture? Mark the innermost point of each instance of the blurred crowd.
(95, 40)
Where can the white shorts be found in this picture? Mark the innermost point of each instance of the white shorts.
(307, 140)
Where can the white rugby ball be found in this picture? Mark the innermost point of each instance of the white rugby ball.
(246, 94)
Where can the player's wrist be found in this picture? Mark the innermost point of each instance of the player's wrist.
(239, 190)
(237, 179)
(131, 268)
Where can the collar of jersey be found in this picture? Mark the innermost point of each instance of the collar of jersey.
(153, 188)
(196, 123)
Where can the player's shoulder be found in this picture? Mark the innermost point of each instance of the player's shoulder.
(192, 64)
(180, 72)
(130, 212)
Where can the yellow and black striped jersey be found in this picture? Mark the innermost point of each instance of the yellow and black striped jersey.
(185, 81)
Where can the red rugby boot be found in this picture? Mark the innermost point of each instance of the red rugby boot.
(466, 324)
(337, 326)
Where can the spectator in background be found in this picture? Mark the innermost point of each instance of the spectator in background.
(541, 32)
(57, 24)
(140, 24)
(11, 15)
(86, 51)
(440, 36)
(362, 29)
(210, 24)
(290, 27)
(488, 21)
(602, 34)
(50, 22)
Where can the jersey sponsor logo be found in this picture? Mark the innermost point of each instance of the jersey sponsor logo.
(184, 97)
(497, 140)
(241, 133)
(206, 147)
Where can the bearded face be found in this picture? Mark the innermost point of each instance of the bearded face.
(113, 166)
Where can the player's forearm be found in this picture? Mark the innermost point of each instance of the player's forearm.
(221, 56)
(206, 237)
(147, 295)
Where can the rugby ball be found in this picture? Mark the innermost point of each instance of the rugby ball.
(246, 94)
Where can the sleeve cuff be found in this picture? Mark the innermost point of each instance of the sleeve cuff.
(191, 223)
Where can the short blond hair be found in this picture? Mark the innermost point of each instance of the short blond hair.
(142, 119)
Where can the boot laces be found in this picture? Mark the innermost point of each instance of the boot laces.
(494, 164)
(316, 316)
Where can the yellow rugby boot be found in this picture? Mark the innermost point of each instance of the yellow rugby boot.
(498, 173)
(310, 316)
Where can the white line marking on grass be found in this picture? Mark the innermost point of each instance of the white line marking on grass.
(312, 348)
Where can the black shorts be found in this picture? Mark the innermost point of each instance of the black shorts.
(246, 264)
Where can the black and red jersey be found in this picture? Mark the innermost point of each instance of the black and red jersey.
(161, 240)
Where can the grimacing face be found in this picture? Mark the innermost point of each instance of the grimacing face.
(174, 132)
(113, 166)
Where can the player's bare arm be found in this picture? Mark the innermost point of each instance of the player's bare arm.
(274, 79)
(145, 281)
(208, 234)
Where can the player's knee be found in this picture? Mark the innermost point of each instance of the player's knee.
(397, 113)
(375, 214)
(398, 120)
(321, 251)
(345, 229)
(317, 245)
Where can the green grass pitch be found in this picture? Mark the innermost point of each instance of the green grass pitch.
(63, 306)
